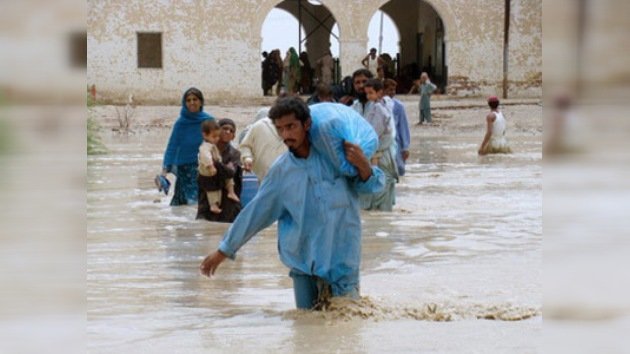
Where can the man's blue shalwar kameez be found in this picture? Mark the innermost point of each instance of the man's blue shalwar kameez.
(318, 213)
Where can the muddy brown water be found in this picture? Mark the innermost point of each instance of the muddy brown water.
(455, 267)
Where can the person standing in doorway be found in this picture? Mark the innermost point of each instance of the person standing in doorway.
(372, 62)
(269, 74)
(306, 75)
(291, 73)
(325, 68)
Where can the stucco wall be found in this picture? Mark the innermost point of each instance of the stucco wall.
(525, 54)
(215, 45)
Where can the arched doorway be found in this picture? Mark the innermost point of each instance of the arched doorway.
(319, 34)
(385, 37)
(422, 42)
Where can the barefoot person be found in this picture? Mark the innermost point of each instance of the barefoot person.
(318, 214)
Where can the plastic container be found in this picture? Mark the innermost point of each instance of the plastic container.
(249, 188)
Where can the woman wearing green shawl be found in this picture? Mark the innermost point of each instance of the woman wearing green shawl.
(291, 71)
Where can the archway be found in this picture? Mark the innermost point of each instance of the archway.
(319, 34)
(422, 42)
(385, 37)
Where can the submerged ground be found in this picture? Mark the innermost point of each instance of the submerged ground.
(456, 267)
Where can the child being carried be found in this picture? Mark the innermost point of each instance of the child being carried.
(213, 175)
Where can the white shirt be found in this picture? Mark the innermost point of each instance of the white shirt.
(261, 146)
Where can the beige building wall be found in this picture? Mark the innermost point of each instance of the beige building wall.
(215, 45)
(525, 48)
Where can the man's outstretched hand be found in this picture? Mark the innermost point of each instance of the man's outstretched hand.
(211, 263)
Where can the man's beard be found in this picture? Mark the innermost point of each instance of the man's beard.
(291, 149)
(362, 97)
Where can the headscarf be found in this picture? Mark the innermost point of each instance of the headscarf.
(295, 60)
(183, 145)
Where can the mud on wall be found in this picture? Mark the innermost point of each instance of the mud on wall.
(215, 45)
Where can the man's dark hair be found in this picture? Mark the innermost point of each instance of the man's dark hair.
(288, 105)
(345, 87)
(323, 90)
(376, 84)
(365, 72)
(493, 104)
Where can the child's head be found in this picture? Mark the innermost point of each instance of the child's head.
(424, 77)
(228, 129)
(493, 102)
(210, 131)
(374, 89)
(389, 87)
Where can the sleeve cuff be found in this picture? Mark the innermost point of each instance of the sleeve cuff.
(223, 247)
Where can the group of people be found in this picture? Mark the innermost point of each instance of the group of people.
(294, 74)
(381, 66)
(316, 207)
(207, 166)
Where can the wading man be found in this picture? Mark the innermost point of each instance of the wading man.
(317, 209)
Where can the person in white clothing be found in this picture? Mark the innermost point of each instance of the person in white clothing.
(372, 62)
(260, 147)
(494, 141)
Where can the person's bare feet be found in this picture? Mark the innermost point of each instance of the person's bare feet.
(234, 197)
(215, 209)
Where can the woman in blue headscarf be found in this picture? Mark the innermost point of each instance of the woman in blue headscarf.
(180, 157)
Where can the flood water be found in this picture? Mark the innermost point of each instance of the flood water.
(455, 268)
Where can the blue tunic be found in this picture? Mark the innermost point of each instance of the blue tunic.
(402, 134)
(319, 223)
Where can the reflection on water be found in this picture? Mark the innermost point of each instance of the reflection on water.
(462, 245)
